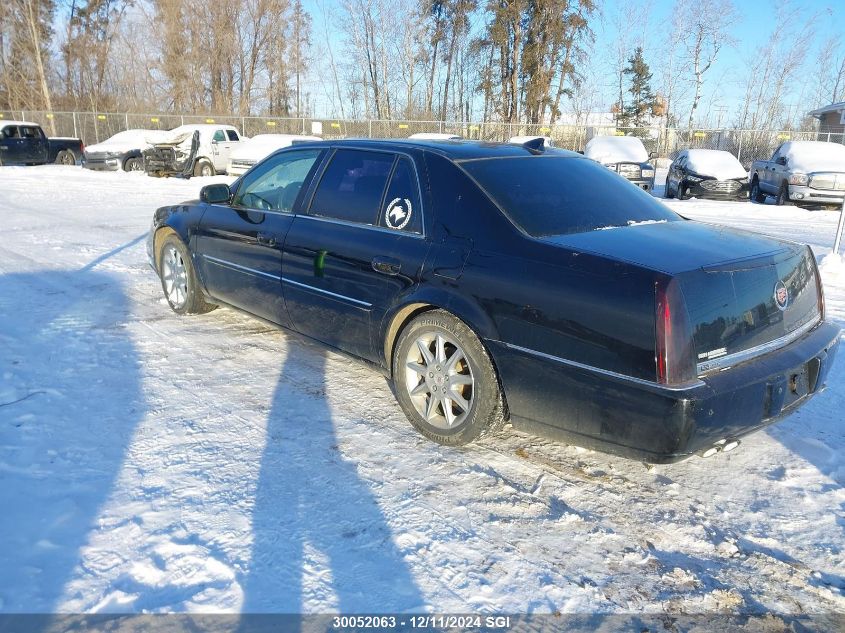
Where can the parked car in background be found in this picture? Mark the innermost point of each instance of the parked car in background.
(706, 173)
(520, 140)
(524, 284)
(803, 172)
(626, 155)
(435, 136)
(24, 143)
(250, 151)
(192, 150)
(123, 151)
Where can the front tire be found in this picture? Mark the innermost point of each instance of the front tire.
(682, 191)
(445, 381)
(667, 191)
(755, 194)
(135, 163)
(204, 168)
(783, 195)
(179, 280)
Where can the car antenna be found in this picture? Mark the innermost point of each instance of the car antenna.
(535, 145)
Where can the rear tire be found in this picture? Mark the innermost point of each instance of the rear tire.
(204, 168)
(755, 194)
(179, 280)
(444, 380)
(65, 157)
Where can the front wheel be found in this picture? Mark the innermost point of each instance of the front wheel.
(134, 164)
(755, 194)
(179, 280)
(667, 191)
(682, 191)
(204, 168)
(445, 381)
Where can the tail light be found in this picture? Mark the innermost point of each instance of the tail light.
(674, 353)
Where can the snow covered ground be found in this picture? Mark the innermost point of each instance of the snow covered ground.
(150, 462)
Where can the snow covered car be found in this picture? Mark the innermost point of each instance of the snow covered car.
(528, 285)
(434, 136)
(123, 151)
(801, 172)
(521, 140)
(249, 152)
(706, 173)
(626, 155)
(192, 150)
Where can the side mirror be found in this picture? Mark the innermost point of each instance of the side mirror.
(781, 160)
(652, 155)
(218, 193)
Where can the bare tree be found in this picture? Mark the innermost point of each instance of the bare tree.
(705, 34)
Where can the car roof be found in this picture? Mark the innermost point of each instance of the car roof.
(456, 150)
(4, 123)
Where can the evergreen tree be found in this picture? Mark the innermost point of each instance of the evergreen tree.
(643, 99)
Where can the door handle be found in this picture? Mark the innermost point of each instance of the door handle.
(266, 239)
(386, 265)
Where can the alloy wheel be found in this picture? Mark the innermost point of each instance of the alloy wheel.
(439, 380)
(174, 274)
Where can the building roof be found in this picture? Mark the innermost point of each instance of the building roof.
(833, 107)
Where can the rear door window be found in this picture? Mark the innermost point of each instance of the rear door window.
(352, 187)
(401, 209)
(11, 131)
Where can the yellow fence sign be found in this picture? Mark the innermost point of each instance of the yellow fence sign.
(337, 125)
(101, 117)
(209, 120)
(699, 134)
(271, 124)
(784, 137)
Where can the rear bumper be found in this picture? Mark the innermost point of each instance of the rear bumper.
(643, 420)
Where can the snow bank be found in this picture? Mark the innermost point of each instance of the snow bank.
(810, 156)
(716, 163)
(832, 265)
(616, 149)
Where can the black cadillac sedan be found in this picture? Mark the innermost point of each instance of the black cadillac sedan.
(499, 282)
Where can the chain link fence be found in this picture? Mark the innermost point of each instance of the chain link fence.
(746, 145)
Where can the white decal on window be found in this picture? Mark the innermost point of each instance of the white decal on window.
(398, 213)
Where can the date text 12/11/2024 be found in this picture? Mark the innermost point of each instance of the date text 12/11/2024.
(417, 622)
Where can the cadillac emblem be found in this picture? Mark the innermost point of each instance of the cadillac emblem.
(781, 296)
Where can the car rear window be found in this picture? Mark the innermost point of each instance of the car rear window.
(559, 195)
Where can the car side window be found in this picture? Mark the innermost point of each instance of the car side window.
(233, 136)
(352, 186)
(29, 132)
(219, 136)
(275, 184)
(10, 131)
(401, 209)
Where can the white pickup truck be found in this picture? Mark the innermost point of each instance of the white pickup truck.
(801, 172)
(193, 150)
